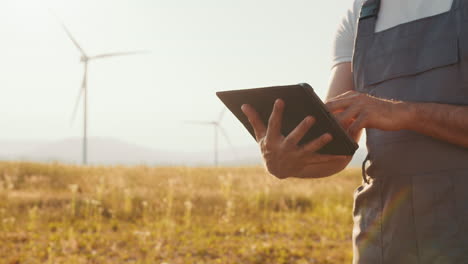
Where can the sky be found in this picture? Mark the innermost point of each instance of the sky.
(195, 49)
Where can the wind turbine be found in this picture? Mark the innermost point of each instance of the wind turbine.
(216, 124)
(85, 59)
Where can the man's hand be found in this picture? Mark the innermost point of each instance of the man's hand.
(282, 155)
(356, 111)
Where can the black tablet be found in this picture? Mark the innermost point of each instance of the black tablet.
(300, 102)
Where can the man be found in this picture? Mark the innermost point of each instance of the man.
(401, 72)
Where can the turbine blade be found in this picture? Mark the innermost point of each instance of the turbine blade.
(225, 135)
(221, 115)
(77, 103)
(77, 45)
(116, 54)
(85, 76)
(80, 94)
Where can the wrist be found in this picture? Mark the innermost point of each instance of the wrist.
(408, 113)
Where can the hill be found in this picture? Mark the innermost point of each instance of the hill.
(110, 151)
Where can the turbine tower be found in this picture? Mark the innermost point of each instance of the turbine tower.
(216, 124)
(83, 92)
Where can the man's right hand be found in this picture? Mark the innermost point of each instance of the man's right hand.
(282, 155)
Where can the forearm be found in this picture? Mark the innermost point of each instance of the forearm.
(441, 121)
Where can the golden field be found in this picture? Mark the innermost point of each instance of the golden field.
(52, 213)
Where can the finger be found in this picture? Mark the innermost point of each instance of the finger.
(274, 123)
(318, 143)
(340, 104)
(357, 125)
(298, 133)
(348, 115)
(316, 159)
(255, 121)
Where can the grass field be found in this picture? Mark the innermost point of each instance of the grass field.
(52, 213)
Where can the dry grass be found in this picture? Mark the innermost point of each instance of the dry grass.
(66, 214)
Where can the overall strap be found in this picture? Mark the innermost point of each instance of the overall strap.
(368, 17)
(457, 14)
(366, 24)
(456, 4)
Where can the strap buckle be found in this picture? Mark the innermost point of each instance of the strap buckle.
(370, 10)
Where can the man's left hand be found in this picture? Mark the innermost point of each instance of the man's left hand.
(356, 111)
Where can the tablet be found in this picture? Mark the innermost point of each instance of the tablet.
(300, 102)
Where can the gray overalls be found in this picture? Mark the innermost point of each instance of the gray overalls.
(413, 204)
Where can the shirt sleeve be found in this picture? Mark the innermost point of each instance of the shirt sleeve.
(343, 43)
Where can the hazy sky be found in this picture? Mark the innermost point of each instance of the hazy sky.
(197, 48)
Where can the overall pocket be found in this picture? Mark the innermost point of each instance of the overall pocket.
(410, 57)
(437, 219)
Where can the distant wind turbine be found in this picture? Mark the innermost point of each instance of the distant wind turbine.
(85, 59)
(217, 128)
